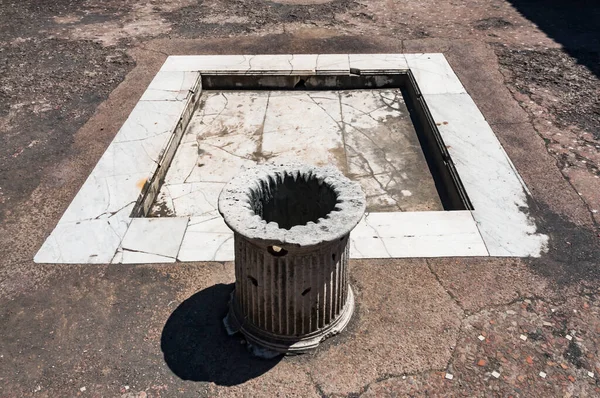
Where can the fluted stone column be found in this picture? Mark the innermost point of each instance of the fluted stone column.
(291, 228)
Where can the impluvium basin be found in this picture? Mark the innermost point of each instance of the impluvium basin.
(291, 225)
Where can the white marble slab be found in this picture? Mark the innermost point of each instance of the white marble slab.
(417, 234)
(379, 63)
(217, 64)
(378, 235)
(86, 242)
(102, 197)
(290, 136)
(191, 199)
(207, 238)
(255, 64)
(434, 74)
(492, 183)
(158, 238)
(149, 119)
(333, 64)
(171, 86)
(283, 64)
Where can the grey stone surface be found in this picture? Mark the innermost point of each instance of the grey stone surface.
(291, 228)
(237, 199)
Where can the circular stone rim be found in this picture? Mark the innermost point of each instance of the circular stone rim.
(237, 211)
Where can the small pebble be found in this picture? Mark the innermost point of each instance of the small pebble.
(547, 324)
(591, 374)
(569, 337)
(542, 375)
(449, 376)
(481, 338)
(529, 360)
(523, 337)
(495, 374)
(82, 389)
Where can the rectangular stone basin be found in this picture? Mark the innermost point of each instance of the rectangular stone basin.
(367, 134)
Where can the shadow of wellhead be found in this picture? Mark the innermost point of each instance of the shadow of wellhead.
(196, 346)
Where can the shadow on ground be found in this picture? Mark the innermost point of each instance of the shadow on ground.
(575, 24)
(196, 346)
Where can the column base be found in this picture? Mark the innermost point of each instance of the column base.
(268, 345)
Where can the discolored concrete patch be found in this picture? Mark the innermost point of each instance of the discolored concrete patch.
(406, 323)
(518, 342)
(63, 90)
(499, 280)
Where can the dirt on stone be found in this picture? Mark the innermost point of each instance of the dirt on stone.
(559, 81)
(224, 18)
(50, 87)
(492, 23)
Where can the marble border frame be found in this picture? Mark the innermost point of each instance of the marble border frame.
(97, 227)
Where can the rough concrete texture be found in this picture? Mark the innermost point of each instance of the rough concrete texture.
(292, 205)
(147, 331)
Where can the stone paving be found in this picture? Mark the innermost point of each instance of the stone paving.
(70, 74)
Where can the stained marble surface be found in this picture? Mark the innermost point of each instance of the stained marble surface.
(367, 134)
(497, 192)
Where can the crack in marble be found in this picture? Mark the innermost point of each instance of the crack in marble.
(112, 213)
(366, 220)
(191, 224)
(124, 249)
(221, 246)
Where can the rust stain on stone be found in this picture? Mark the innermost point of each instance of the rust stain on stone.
(140, 184)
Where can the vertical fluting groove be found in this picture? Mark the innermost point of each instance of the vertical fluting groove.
(323, 296)
(344, 281)
(297, 303)
(293, 295)
(291, 307)
(332, 285)
(272, 293)
(249, 270)
(240, 277)
(327, 284)
(318, 289)
(285, 274)
(264, 292)
(255, 289)
(280, 277)
(306, 298)
(337, 284)
(346, 253)
(238, 283)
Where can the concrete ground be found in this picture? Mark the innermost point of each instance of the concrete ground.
(70, 73)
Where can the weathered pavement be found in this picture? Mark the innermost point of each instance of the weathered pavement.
(70, 73)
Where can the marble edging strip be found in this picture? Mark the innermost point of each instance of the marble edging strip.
(98, 221)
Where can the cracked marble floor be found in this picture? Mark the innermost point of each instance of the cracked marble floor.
(367, 134)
